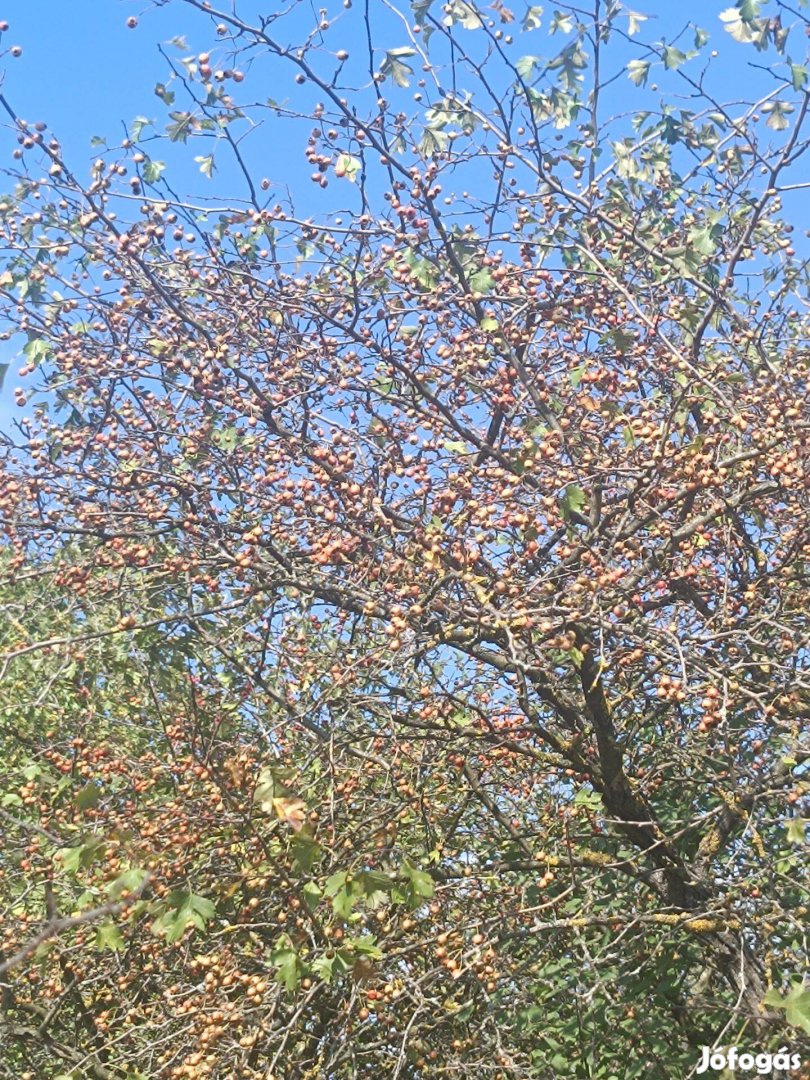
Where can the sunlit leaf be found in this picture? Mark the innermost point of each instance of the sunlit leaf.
(349, 166)
(533, 19)
(462, 12)
(638, 70)
(206, 164)
(292, 812)
(634, 22)
(561, 23)
(526, 65)
(797, 830)
(735, 25)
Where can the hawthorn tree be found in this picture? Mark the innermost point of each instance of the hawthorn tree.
(405, 581)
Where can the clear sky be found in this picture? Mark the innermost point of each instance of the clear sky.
(85, 73)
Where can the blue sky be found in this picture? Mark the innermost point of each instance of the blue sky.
(85, 73)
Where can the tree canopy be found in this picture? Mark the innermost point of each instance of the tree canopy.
(404, 580)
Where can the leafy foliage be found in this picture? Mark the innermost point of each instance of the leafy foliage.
(404, 598)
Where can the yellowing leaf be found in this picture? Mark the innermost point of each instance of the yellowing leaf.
(292, 811)
(349, 166)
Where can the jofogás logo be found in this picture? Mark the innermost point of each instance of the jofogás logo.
(762, 1064)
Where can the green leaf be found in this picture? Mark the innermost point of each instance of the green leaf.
(572, 501)
(343, 902)
(421, 885)
(312, 895)
(394, 66)
(227, 439)
(88, 796)
(702, 240)
(78, 858)
(423, 271)
(489, 323)
(137, 126)
(184, 909)
(570, 62)
(797, 1008)
(374, 881)
(129, 881)
(285, 960)
(180, 127)
(577, 656)
(673, 57)
(591, 800)
(166, 96)
(701, 37)
(152, 171)
(798, 76)
(777, 113)
(202, 907)
(366, 945)
(71, 859)
(305, 851)
(749, 9)
(481, 281)
(796, 1005)
(532, 1017)
(526, 65)
(108, 937)
(334, 883)
(265, 790)
(36, 349)
(621, 339)
(797, 830)
(324, 967)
